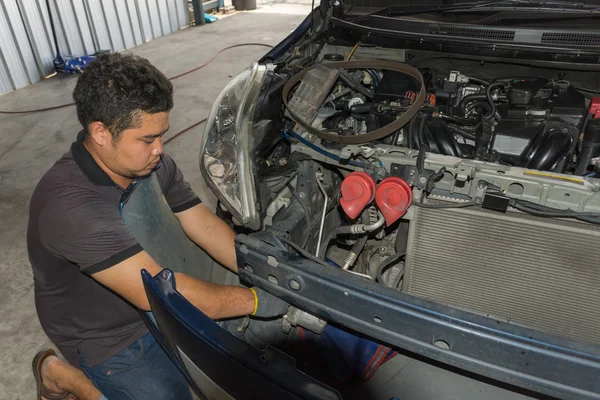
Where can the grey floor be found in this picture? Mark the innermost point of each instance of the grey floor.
(29, 145)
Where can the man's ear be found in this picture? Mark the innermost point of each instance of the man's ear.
(99, 133)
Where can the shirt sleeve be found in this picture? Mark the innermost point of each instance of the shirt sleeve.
(177, 190)
(87, 231)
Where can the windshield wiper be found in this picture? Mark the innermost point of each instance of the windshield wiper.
(485, 6)
(480, 6)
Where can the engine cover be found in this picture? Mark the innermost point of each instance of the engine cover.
(534, 272)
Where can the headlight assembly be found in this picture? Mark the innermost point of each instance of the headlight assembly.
(225, 159)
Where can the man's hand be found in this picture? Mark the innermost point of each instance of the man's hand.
(267, 305)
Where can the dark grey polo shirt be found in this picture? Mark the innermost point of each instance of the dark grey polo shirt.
(76, 229)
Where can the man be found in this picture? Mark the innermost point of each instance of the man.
(86, 264)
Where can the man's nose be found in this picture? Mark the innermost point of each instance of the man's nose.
(158, 147)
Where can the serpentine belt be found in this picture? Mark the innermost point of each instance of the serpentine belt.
(378, 133)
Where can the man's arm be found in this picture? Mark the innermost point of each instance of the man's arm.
(216, 301)
(211, 233)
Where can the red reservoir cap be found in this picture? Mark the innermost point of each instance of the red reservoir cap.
(358, 190)
(393, 197)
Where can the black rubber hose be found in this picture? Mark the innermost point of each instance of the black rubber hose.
(459, 120)
(461, 132)
(421, 136)
(488, 94)
(471, 98)
(479, 81)
(483, 104)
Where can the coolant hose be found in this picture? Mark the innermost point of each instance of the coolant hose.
(471, 98)
(490, 100)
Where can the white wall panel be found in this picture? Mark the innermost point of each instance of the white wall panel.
(27, 47)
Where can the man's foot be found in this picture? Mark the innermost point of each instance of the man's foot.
(49, 375)
(47, 370)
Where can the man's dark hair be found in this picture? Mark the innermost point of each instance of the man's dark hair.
(116, 88)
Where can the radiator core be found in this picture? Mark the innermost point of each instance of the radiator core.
(534, 272)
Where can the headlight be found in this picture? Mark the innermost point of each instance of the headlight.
(225, 159)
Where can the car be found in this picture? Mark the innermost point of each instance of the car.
(425, 177)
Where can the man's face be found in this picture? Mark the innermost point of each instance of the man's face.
(138, 150)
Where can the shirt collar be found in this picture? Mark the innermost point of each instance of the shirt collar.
(87, 164)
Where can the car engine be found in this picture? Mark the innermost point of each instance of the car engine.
(475, 191)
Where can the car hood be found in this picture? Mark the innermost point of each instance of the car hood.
(446, 3)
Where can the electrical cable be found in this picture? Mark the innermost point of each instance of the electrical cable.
(174, 77)
(289, 134)
(216, 55)
(375, 77)
(184, 131)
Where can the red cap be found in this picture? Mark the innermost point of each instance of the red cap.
(393, 197)
(358, 190)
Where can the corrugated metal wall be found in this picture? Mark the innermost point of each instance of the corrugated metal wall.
(82, 27)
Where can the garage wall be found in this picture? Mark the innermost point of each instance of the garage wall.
(82, 27)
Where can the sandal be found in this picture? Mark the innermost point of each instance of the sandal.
(42, 390)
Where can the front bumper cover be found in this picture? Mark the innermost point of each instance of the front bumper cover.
(515, 355)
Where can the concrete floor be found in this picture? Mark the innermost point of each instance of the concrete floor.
(31, 143)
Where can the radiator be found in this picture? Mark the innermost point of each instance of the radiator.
(530, 271)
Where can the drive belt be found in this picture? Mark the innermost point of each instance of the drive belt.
(378, 133)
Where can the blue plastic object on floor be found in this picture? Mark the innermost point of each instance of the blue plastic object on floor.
(209, 18)
(71, 65)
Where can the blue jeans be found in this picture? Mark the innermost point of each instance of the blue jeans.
(141, 371)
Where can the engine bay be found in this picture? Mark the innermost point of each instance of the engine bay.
(439, 179)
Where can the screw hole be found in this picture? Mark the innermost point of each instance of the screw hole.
(263, 358)
(378, 320)
(442, 344)
(273, 279)
(501, 172)
(567, 194)
(272, 261)
(294, 284)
